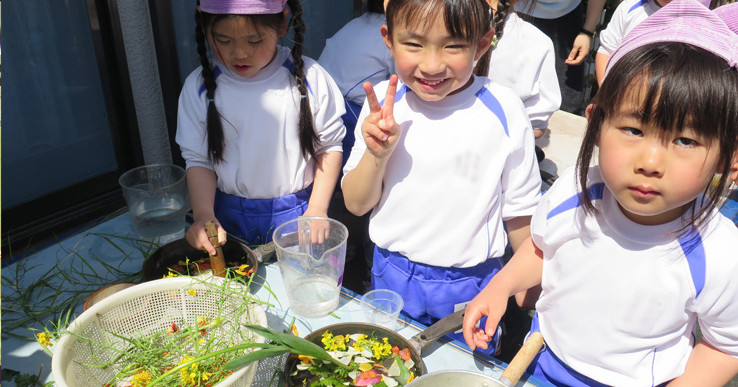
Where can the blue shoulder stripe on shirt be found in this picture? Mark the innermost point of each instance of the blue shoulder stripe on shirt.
(691, 244)
(494, 106)
(217, 72)
(637, 5)
(595, 193)
(291, 68)
(398, 96)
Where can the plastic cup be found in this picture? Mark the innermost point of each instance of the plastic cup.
(311, 252)
(382, 307)
(156, 196)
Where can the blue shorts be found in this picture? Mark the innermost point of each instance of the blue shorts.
(254, 220)
(431, 292)
(547, 366)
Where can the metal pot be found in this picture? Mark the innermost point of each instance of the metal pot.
(415, 344)
(168, 256)
(509, 377)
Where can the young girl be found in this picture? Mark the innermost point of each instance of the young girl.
(631, 263)
(523, 59)
(445, 163)
(258, 124)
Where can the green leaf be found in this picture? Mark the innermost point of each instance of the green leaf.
(404, 372)
(256, 355)
(297, 345)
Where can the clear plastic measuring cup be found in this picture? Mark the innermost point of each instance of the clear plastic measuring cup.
(311, 252)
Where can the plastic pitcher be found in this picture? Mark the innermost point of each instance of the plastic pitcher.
(311, 252)
(157, 199)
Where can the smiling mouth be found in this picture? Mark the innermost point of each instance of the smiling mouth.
(430, 82)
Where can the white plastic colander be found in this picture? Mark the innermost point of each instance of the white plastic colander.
(144, 310)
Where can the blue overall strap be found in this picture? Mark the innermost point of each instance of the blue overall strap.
(398, 96)
(694, 251)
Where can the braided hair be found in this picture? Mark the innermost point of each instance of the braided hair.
(204, 23)
(504, 7)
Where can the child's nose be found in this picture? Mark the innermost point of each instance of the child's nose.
(650, 160)
(432, 63)
(241, 49)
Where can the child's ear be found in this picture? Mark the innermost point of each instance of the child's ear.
(484, 43)
(734, 167)
(588, 111)
(283, 28)
(386, 36)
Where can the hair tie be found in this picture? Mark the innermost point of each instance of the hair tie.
(303, 96)
(211, 100)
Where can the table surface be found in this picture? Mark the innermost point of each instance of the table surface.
(114, 243)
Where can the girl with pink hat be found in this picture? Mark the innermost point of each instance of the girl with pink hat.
(259, 124)
(629, 247)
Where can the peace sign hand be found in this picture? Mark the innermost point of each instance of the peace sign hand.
(379, 129)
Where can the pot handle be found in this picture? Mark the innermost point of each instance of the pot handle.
(448, 324)
(265, 252)
(522, 359)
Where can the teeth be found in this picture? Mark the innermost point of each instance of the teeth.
(432, 83)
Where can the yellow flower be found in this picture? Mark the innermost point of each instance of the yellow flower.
(206, 375)
(327, 338)
(380, 349)
(192, 292)
(184, 375)
(410, 379)
(44, 339)
(337, 343)
(305, 359)
(142, 378)
(242, 269)
(361, 341)
(171, 274)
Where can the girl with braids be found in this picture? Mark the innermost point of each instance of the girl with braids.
(259, 125)
(629, 246)
(523, 59)
(445, 162)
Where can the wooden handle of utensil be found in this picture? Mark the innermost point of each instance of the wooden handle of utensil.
(522, 359)
(217, 261)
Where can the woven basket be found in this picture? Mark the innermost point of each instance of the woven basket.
(147, 309)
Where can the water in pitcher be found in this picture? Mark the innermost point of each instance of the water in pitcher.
(162, 218)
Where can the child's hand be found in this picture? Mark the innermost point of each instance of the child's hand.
(319, 228)
(197, 237)
(379, 128)
(579, 50)
(488, 303)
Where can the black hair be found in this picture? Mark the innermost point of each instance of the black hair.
(465, 19)
(376, 6)
(683, 86)
(504, 7)
(204, 23)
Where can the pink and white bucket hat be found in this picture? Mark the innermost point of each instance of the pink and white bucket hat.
(687, 21)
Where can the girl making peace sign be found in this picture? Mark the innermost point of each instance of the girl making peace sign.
(445, 162)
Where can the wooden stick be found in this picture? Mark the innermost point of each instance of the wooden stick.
(217, 261)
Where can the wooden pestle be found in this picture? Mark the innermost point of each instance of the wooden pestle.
(217, 261)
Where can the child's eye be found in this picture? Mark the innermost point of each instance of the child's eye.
(632, 131)
(256, 43)
(684, 141)
(222, 41)
(412, 44)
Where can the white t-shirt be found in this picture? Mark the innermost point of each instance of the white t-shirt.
(626, 16)
(524, 61)
(459, 169)
(546, 9)
(262, 154)
(620, 302)
(356, 54)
